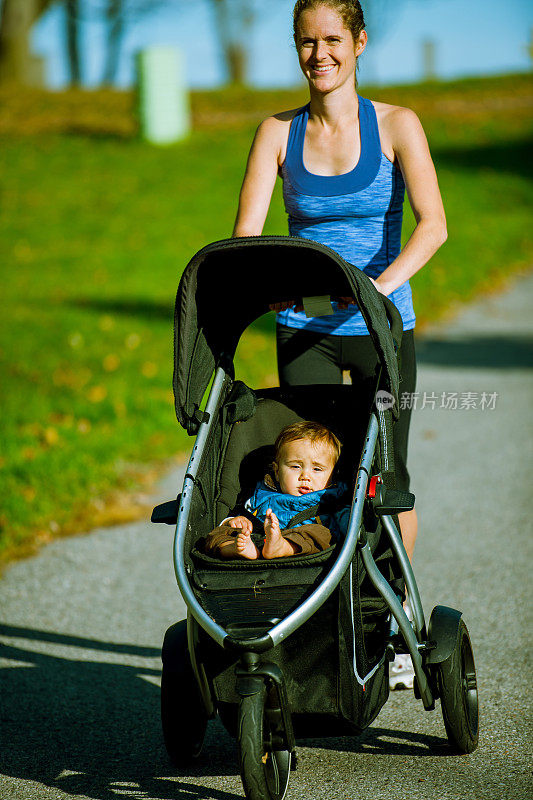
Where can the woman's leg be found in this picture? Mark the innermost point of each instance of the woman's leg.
(305, 357)
(360, 357)
(409, 527)
(408, 519)
(362, 360)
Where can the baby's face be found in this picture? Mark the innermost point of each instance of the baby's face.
(304, 466)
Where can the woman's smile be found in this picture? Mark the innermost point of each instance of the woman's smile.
(322, 35)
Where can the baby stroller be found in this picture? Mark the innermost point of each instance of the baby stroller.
(295, 646)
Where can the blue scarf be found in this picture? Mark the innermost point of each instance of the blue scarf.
(286, 506)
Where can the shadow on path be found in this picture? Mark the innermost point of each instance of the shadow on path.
(512, 156)
(484, 352)
(152, 309)
(385, 741)
(92, 728)
(131, 307)
(510, 351)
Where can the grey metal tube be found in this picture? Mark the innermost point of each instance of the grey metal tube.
(408, 574)
(329, 584)
(404, 625)
(209, 625)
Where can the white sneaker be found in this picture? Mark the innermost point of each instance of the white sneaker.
(401, 672)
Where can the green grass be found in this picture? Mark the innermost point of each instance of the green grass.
(95, 233)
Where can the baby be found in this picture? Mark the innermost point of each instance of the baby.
(305, 456)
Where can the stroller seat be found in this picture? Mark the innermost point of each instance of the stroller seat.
(250, 448)
(248, 597)
(241, 594)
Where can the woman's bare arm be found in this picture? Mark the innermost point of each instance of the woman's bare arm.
(260, 176)
(411, 149)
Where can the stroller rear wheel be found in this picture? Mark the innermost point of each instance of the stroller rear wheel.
(456, 678)
(265, 771)
(183, 717)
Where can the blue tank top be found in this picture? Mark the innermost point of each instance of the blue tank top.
(357, 214)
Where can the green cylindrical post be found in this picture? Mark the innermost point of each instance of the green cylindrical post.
(163, 96)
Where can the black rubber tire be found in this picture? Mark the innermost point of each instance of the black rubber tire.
(265, 773)
(457, 685)
(183, 716)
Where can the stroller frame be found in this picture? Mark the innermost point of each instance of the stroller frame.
(441, 654)
(415, 639)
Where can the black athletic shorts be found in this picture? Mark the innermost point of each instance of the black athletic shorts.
(307, 357)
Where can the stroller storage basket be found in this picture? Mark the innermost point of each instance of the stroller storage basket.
(318, 659)
(258, 594)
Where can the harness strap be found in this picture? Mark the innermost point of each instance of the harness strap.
(302, 516)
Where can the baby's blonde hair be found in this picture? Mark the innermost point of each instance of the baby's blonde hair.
(313, 431)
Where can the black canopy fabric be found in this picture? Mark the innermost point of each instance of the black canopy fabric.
(229, 284)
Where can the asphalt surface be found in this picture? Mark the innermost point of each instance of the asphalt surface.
(83, 621)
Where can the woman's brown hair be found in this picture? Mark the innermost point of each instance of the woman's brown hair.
(350, 12)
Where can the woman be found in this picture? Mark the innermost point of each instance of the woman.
(345, 163)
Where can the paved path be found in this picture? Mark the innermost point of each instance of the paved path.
(82, 622)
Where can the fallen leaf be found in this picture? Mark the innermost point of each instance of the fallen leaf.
(97, 393)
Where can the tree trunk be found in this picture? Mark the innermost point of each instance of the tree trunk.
(234, 21)
(115, 21)
(73, 52)
(17, 19)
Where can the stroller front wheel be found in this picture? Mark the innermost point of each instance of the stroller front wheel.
(456, 678)
(265, 771)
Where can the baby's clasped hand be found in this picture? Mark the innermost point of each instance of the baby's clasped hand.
(240, 522)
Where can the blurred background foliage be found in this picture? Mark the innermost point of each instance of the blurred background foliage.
(97, 227)
(234, 23)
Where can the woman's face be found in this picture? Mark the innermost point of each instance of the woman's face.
(326, 49)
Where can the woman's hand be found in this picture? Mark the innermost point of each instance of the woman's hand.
(240, 522)
(344, 302)
(282, 306)
(376, 284)
(285, 304)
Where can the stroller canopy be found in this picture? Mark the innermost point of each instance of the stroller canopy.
(229, 284)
